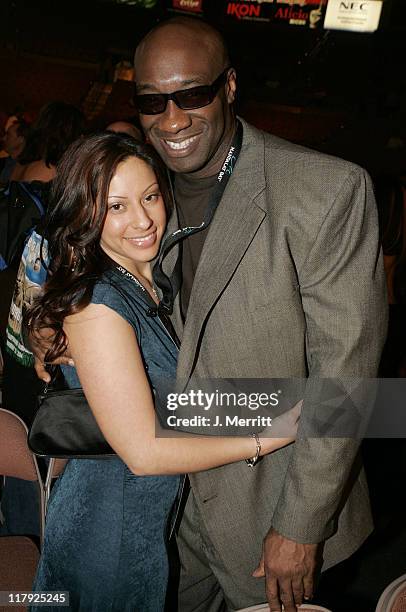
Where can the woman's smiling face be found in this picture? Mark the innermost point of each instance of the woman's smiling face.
(136, 218)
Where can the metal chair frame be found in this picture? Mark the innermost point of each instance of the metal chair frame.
(44, 485)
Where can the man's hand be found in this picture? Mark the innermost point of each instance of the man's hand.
(289, 569)
(40, 342)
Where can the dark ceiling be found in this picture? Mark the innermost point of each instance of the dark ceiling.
(360, 75)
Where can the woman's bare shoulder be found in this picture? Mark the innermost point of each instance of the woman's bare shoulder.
(91, 314)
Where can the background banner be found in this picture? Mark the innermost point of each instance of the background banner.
(353, 15)
(307, 13)
(188, 6)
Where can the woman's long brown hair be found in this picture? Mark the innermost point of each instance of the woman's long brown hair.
(74, 223)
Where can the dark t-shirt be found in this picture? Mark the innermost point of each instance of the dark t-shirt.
(192, 198)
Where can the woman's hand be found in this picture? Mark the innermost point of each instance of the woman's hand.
(105, 348)
(282, 431)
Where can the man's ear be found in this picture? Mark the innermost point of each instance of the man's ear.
(231, 86)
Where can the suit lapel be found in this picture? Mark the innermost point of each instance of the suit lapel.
(234, 226)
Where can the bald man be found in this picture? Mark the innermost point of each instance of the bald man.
(286, 281)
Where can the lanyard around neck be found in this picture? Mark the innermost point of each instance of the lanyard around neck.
(170, 285)
(152, 311)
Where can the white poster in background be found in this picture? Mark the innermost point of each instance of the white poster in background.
(353, 15)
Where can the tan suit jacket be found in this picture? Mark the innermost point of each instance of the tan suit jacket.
(290, 284)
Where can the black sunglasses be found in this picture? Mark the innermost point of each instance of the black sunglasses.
(186, 99)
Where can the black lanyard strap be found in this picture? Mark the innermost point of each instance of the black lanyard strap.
(170, 286)
(151, 311)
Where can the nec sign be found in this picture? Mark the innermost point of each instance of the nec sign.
(353, 6)
(353, 15)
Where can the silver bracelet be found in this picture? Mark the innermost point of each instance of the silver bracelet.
(254, 460)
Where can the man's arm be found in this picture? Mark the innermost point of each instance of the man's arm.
(343, 293)
(39, 343)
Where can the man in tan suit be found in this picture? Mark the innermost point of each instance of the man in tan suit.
(286, 281)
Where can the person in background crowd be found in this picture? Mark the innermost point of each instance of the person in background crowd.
(391, 200)
(125, 127)
(385, 459)
(57, 125)
(5, 122)
(14, 140)
(314, 306)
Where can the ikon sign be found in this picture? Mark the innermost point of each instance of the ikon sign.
(353, 15)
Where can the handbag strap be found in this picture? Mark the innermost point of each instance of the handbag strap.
(57, 382)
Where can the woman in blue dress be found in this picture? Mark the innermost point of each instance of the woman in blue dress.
(107, 519)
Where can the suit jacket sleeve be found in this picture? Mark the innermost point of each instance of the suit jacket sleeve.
(343, 293)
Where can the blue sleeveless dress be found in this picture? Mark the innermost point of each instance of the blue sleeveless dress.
(106, 528)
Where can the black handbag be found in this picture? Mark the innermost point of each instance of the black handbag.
(64, 427)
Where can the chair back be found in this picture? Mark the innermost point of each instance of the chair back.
(393, 599)
(19, 559)
(16, 459)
